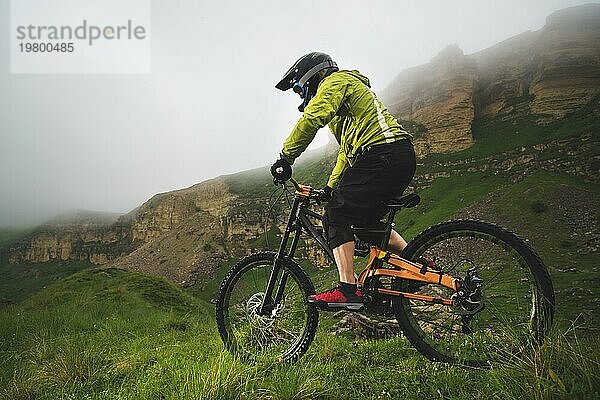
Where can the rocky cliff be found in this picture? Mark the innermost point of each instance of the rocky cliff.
(439, 97)
(87, 236)
(541, 75)
(199, 212)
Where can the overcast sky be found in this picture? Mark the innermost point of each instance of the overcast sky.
(209, 106)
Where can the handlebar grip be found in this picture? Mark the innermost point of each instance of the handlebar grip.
(317, 193)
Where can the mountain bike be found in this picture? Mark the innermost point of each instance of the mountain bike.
(463, 291)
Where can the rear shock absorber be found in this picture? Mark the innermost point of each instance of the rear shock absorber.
(361, 249)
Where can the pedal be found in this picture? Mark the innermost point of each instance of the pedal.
(355, 307)
(338, 306)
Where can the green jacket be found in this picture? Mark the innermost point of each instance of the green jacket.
(355, 116)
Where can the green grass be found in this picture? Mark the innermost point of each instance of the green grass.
(115, 334)
(111, 334)
(19, 281)
(541, 208)
(443, 199)
(494, 136)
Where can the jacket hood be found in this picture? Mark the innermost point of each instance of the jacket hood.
(359, 76)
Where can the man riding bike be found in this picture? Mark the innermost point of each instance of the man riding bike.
(375, 163)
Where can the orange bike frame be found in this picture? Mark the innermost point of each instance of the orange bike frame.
(397, 267)
(385, 263)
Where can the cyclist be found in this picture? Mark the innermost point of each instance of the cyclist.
(375, 162)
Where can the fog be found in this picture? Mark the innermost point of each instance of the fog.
(108, 142)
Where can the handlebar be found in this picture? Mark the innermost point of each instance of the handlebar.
(307, 191)
(297, 186)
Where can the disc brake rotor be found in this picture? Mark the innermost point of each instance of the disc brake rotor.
(470, 298)
(253, 306)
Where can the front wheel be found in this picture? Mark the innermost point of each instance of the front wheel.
(511, 308)
(286, 331)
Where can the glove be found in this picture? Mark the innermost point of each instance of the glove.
(281, 171)
(327, 191)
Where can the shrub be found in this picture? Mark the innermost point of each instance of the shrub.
(538, 207)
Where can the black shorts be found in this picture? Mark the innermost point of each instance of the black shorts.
(378, 175)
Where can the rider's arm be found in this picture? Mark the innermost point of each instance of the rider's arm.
(320, 110)
(340, 166)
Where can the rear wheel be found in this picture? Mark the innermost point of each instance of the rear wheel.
(513, 306)
(285, 333)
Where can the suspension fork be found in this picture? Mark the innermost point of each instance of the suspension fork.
(303, 222)
(292, 226)
(284, 275)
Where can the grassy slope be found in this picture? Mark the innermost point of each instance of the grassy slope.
(18, 282)
(548, 209)
(141, 337)
(21, 281)
(116, 334)
(443, 199)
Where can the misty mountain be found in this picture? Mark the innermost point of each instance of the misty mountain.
(541, 75)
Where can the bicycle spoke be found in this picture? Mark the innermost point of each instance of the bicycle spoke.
(435, 313)
(278, 331)
(440, 326)
(487, 319)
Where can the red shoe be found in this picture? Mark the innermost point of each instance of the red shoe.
(336, 299)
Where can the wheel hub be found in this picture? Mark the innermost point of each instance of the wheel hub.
(253, 312)
(469, 297)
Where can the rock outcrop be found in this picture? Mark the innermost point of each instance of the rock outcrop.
(83, 236)
(543, 75)
(191, 250)
(198, 212)
(361, 326)
(163, 212)
(567, 73)
(437, 96)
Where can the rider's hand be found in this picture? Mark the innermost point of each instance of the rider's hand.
(326, 193)
(281, 171)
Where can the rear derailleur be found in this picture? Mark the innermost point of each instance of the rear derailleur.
(469, 299)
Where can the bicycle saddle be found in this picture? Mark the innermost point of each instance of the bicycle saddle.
(407, 201)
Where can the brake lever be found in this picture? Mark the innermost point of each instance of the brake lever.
(296, 184)
(318, 195)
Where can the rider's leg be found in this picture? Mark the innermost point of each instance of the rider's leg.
(344, 259)
(345, 295)
(344, 256)
(397, 242)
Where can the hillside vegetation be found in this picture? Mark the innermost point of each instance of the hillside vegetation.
(116, 334)
(484, 112)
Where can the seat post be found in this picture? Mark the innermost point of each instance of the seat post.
(388, 230)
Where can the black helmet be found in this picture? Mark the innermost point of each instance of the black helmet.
(306, 74)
